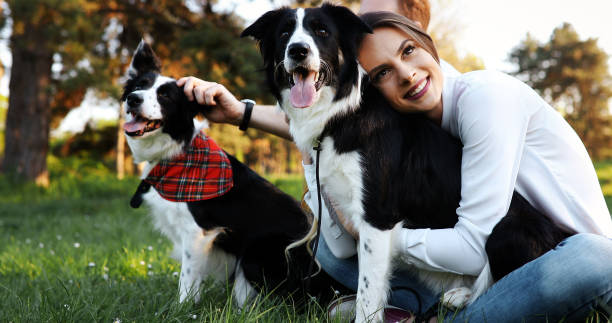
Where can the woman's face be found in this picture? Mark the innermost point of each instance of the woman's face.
(407, 75)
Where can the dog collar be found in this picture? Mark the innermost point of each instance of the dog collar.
(202, 172)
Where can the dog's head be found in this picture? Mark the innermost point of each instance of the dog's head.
(307, 50)
(155, 107)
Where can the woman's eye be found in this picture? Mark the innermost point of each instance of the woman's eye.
(321, 32)
(380, 75)
(408, 50)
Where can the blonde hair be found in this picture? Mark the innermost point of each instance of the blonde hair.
(379, 19)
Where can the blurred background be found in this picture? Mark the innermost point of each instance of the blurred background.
(63, 61)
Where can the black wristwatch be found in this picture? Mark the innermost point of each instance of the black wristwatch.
(246, 117)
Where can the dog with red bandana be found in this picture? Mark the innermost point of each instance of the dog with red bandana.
(224, 220)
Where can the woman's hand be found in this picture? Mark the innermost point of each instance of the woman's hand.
(225, 107)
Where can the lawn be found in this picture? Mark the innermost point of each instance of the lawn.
(76, 252)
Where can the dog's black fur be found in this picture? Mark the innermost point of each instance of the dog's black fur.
(258, 219)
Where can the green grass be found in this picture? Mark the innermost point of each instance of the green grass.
(604, 173)
(76, 252)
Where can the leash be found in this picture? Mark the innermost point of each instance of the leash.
(317, 148)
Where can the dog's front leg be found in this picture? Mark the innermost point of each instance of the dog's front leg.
(193, 256)
(374, 273)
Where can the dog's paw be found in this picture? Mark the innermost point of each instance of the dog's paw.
(456, 297)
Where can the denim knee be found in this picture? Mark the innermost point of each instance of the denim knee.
(582, 270)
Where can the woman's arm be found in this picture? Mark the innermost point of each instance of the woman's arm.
(227, 109)
(491, 120)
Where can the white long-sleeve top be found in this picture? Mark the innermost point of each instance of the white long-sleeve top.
(512, 139)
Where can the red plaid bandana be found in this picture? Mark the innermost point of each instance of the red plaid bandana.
(202, 172)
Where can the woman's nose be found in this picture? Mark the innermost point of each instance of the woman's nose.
(407, 75)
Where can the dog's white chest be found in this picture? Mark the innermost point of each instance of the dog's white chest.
(341, 177)
(173, 219)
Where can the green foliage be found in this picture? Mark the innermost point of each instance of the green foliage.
(573, 75)
(604, 173)
(293, 185)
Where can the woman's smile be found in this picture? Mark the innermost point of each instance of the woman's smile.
(417, 91)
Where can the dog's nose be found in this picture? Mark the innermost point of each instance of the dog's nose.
(298, 51)
(134, 100)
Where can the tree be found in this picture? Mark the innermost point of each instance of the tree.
(63, 47)
(573, 75)
(41, 28)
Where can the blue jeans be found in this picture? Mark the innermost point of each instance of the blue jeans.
(568, 282)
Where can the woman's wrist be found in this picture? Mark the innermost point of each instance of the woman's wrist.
(236, 117)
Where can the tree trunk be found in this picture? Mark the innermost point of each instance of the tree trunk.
(27, 119)
(120, 147)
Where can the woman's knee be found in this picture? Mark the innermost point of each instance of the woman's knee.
(583, 263)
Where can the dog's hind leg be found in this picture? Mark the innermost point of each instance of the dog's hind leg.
(375, 253)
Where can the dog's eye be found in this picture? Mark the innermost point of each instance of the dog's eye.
(284, 35)
(162, 95)
(321, 32)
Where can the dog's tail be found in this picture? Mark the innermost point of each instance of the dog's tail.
(307, 239)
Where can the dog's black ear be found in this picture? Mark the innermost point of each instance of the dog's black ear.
(352, 29)
(263, 26)
(349, 22)
(192, 108)
(144, 60)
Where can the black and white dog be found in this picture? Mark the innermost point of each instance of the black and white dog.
(242, 235)
(377, 164)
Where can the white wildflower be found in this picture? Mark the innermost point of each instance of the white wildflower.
(76, 244)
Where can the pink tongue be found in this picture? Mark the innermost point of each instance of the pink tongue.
(303, 92)
(134, 126)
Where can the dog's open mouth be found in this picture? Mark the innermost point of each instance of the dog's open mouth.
(304, 86)
(139, 126)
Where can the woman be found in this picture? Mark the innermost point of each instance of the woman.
(512, 139)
